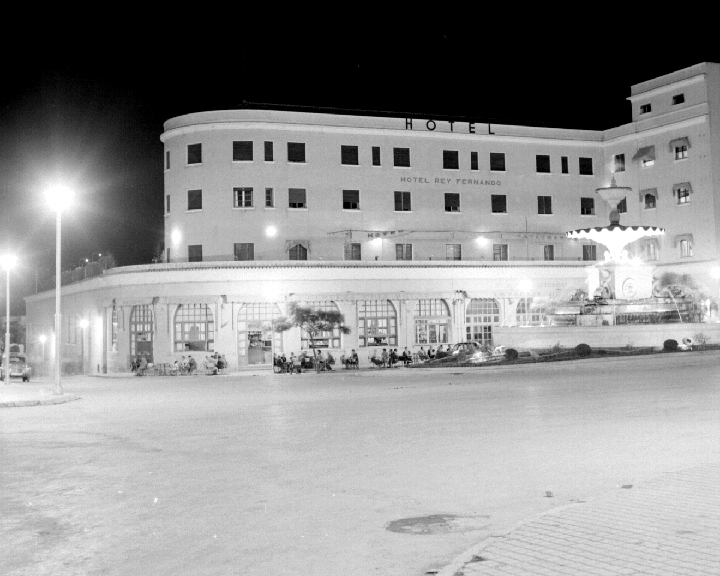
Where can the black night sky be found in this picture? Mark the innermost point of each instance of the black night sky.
(92, 114)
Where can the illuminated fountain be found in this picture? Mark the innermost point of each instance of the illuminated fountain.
(621, 290)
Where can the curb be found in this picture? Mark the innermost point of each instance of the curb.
(22, 403)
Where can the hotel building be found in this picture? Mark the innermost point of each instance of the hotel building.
(421, 231)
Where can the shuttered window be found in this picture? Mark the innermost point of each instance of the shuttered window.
(352, 251)
(402, 202)
(351, 199)
(297, 198)
(243, 151)
(245, 251)
(452, 202)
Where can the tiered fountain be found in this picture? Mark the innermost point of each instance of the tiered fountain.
(620, 290)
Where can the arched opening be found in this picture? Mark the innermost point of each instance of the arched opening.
(194, 328)
(141, 332)
(481, 315)
(432, 321)
(377, 323)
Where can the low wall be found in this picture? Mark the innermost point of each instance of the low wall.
(524, 337)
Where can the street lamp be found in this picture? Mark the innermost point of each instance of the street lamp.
(58, 198)
(42, 339)
(525, 286)
(92, 256)
(7, 262)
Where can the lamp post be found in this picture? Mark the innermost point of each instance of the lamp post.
(58, 198)
(715, 273)
(7, 262)
(42, 339)
(92, 256)
(525, 287)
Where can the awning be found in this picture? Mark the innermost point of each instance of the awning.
(643, 193)
(685, 185)
(684, 141)
(679, 237)
(645, 153)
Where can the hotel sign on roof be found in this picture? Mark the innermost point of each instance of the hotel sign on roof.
(445, 126)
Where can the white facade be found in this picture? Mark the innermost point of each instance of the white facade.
(431, 218)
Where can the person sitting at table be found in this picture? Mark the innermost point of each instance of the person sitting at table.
(406, 357)
(431, 354)
(192, 365)
(142, 367)
(210, 366)
(222, 362)
(175, 369)
(392, 358)
(352, 360)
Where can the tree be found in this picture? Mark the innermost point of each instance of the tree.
(311, 321)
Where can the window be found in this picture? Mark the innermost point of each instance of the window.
(683, 195)
(402, 202)
(167, 160)
(473, 160)
(498, 203)
(194, 200)
(376, 155)
(244, 251)
(242, 197)
(451, 160)
(432, 322)
(401, 157)
(352, 251)
(298, 252)
(269, 198)
(297, 198)
(686, 248)
(377, 323)
(243, 151)
(589, 252)
(646, 156)
(497, 161)
(542, 164)
(681, 152)
(351, 200)
(678, 99)
(622, 206)
(296, 152)
(645, 108)
(195, 253)
(453, 252)
(403, 252)
(349, 155)
(549, 252)
(586, 166)
(500, 252)
(647, 162)
(544, 204)
(194, 154)
(649, 251)
(194, 328)
(167, 203)
(481, 315)
(269, 155)
(530, 314)
(587, 206)
(256, 339)
(650, 201)
(141, 331)
(325, 338)
(564, 165)
(619, 163)
(452, 202)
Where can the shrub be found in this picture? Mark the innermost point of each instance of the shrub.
(602, 352)
(511, 354)
(670, 345)
(583, 350)
(701, 339)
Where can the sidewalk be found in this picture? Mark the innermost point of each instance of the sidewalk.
(668, 525)
(20, 394)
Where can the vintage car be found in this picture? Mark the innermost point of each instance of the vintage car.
(19, 368)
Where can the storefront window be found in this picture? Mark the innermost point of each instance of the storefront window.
(256, 339)
(323, 339)
(432, 322)
(531, 315)
(194, 328)
(377, 323)
(480, 316)
(141, 331)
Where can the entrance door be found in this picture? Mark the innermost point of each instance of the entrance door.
(257, 349)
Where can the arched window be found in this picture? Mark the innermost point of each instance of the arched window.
(141, 330)
(432, 322)
(256, 339)
(323, 339)
(194, 328)
(532, 315)
(377, 323)
(481, 315)
(298, 252)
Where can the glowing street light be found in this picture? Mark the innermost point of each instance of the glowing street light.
(7, 262)
(58, 198)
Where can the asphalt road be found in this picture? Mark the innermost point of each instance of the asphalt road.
(388, 472)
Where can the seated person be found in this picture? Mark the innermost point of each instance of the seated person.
(431, 354)
(354, 360)
(211, 365)
(440, 353)
(222, 362)
(142, 367)
(192, 365)
(330, 361)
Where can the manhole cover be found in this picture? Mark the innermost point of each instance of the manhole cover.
(437, 524)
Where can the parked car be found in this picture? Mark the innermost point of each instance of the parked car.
(19, 368)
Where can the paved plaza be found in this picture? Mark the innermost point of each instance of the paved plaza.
(588, 467)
